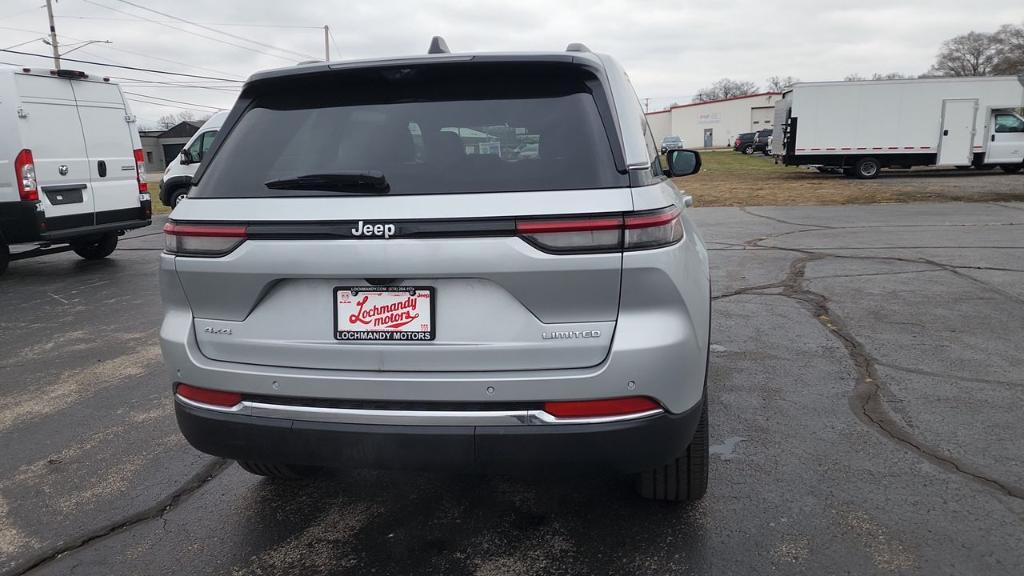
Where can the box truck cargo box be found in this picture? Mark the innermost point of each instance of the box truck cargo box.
(862, 127)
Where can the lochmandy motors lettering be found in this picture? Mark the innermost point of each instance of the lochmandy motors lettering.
(393, 315)
(390, 319)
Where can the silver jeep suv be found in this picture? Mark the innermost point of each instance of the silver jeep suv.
(370, 273)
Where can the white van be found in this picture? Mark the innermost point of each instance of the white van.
(177, 178)
(71, 169)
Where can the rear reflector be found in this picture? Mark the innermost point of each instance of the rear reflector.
(594, 408)
(207, 240)
(211, 397)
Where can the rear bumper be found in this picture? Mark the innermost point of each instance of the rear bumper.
(622, 446)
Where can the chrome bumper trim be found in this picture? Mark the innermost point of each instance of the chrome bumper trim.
(412, 417)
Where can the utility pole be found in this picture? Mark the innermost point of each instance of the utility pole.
(327, 42)
(53, 35)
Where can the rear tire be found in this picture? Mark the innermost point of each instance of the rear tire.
(96, 249)
(278, 471)
(747, 149)
(177, 196)
(684, 479)
(1011, 168)
(867, 168)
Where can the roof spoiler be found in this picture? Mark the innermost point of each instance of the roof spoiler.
(577, 47)
(438, 46)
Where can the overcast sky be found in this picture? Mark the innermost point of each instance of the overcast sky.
(671, 49)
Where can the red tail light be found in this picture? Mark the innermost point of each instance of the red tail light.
(633, 231)
(204, 396)
(25, 175)
(140, 172)
(207, 240)
(596, 408)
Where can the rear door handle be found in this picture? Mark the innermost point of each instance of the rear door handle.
(945, 132)
(993, 137)
(101, 168)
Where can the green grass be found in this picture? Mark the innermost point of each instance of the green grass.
(154, 196)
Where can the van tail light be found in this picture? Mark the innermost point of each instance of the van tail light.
(206, 396)
(205, 240)
(633, 231)
(25, 175)
(598, 408)
(140, 172)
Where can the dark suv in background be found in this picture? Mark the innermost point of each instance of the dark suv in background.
(762, 138)
(744, 143)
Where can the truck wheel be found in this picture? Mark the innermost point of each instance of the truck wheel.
(279, 471)
(866, 168)
(748, 149)
(177, 196)
(5, 256)
(685, 479)
(1011, 168)
(96, 249)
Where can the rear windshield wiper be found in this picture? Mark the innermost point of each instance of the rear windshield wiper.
(356, 182)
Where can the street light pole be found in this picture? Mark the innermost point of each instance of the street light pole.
(53, 35)
(327, 44)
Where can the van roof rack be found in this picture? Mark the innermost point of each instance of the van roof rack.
(438, 46)
(577, 47)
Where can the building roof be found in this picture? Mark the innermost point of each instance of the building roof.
(670, 108)
(181, 130)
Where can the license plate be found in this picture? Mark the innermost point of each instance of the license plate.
(384, 313)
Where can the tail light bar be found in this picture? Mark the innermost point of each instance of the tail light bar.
(204, 240)
(25, 175)
(633, 231)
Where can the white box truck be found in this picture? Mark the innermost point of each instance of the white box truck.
(71, 165)
(862, 127)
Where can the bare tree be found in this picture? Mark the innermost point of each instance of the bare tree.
(971, 54)
(725, 88)
(780, 83)
(186, 116)
(167, 120)
(1010, 53)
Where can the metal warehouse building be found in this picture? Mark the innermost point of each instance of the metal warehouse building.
(715, 124)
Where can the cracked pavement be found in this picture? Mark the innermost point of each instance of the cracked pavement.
(866, 392)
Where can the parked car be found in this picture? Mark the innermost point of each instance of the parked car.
(340, 293)
(762, 138)
(744, 143)
(671, 143)
(71, 164)
(178, 175)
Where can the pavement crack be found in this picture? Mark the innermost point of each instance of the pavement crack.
(750, 212)
(156, 510)
(946, 375)
(866, 401)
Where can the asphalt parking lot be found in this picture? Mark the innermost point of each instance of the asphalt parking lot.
(866, 397)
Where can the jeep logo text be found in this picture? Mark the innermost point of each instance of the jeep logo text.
(385, 230)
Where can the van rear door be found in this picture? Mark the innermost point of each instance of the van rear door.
(51, 129)
(111, 151)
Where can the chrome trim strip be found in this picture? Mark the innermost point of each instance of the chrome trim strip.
(239, 408)
(412, 417)
(639, 166)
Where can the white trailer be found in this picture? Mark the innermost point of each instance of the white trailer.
(862, 127)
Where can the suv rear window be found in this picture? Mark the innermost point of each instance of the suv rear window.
(430, 129)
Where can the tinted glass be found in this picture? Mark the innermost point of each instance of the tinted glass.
(429, 130)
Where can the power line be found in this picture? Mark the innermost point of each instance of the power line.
(136, 68)
(173, 100)
(333, 41)
(211, 29)
(168, 60)
(165, 105)
(287, 26)
(212, 39)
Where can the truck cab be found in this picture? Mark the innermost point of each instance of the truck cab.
(71, 166)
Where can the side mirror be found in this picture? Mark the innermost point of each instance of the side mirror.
(682, 162)
(186, 157)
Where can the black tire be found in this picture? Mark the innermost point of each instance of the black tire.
(685, 479)
(867, 168)
(963, 167)
(984, 167)
(96, 248)
(747, 149)
(5, 256)
(1011, 168)
(278, 471)
(176, 196)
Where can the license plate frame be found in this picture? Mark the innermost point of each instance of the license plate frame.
(396, 334)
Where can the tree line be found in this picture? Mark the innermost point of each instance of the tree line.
(972, 54)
